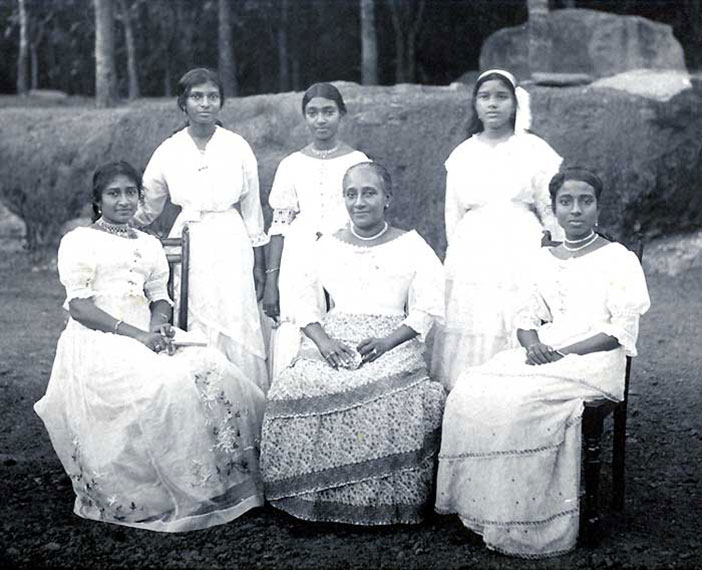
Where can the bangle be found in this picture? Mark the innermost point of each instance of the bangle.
(272, 270)
(558, 352)
(114, 328)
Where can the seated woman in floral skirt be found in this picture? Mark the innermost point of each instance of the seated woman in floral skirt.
(510, 452)
(351, 428)
(151, 435)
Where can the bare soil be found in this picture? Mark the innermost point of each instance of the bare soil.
(660, 527)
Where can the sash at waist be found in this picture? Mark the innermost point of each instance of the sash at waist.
(188, 214)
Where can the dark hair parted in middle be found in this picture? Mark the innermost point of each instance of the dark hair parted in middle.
(326, 90)
(574, 173)
(106, 173)
(476, 125)
(380, 171)
(194, 77)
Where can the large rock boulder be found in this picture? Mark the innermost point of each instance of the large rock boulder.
(590, 42)
(648, 151)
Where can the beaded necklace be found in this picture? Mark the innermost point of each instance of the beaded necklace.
(119, 230)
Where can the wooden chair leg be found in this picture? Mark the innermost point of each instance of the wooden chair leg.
(592, 431)
(619, 456)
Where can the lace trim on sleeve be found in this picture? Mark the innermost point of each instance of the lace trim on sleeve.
(532, 311)
(627, 300)
(426, 294)
(625, 328)
(282, 218)
(420, 322)
(156, 285)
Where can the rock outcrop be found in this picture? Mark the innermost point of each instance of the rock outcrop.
(648, 151)
(590, 42)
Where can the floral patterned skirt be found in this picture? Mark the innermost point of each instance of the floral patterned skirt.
(164, 443)
(353, 446)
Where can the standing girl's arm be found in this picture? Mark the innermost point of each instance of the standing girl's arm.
(252, 214)
(155, 192)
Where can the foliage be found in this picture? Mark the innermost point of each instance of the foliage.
(279, 49)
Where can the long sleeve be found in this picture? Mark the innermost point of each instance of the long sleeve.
(425, 303)
(307, 307)
(76, 266)
(251, 210)
(531, 307)
(156, 284)
(283, 199)
(547, 162)
(155, 191)
(452, 209)
(627, 300)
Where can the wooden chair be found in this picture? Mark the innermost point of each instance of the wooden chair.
(179, 257)
(594, 414)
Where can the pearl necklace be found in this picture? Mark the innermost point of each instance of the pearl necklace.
(120, 230)
(324, 153)
(577, 241)
(370, 238)
(589, 240)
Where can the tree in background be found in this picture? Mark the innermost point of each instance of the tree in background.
(279, 44)
(369, 44)
(125, 16)
(22, 58)
(283, 48)
(406, 16)
(105, 76)
(227, 62)
(539, 36)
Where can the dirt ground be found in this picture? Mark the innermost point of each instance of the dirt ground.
(660, 527)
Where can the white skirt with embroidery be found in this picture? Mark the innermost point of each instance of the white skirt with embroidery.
(164, 443)
(509, 464)
(222, 304)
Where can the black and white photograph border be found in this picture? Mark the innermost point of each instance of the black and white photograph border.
(614, 85)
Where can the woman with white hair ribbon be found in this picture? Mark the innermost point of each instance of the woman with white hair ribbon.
(497, 210)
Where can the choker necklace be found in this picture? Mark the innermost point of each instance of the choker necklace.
(370, 238)
(577, 241)
(120, 230)
(324, 153)
(589, 240)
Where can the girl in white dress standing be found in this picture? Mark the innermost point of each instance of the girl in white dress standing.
(497, 206)
(307, 202)
(511, 441)
(212, 174)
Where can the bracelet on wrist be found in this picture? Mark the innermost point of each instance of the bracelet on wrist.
(272, 270)
(117, 324)
(558, 352)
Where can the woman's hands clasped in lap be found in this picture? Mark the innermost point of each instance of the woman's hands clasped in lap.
(373, 348)
(336, 353)
(160, 338)
(540, 353)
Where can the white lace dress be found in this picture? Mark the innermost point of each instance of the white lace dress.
(510, 451)
(497, 205)
(359, 446)
(164, 443)
(218, 193)
(307, 202)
